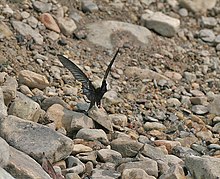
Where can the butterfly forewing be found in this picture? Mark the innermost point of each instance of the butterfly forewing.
(87, 86)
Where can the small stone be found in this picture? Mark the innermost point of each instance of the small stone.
(154, 126)
(25, 14)
(25, 108)
(204, 135)
(183, 12)
(119, 119)
(3, 108)
(80, 148)
(127, 147)
(152, 152)
(216, 128)
(135, 173)
(26, 30)
(88, 156)
(32, 21)
(32, 79)
(164, 25)
(107, 174)
(72, 176)
(200, 109)
(89, 6)
(7, 10)
(152, 168)
(207, 35)
(49, 22)
(67, 25)
(173, 102)
(190, 77)
(199, 100)
(168, 144)
(5, 30)
(108, 155)
(25, 90)
(173, 75)
(99, 115)
(214, 107)
(42, 6)
(175, 171)
(93, 134)
(208, 22)
(74, 165)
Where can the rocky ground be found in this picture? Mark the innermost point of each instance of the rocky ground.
(161, 116)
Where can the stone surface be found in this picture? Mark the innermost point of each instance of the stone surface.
(154, 126)
(5, 30)
(214, 106)
(168, 144)
(126, 147)
(80, 148)
(74, 165)
(26, 30)
(22, 166)
(207, 35)
(118, 119)
(100, 33)
(162, 24)
(25, 108)
(55, 146)
(32, 79)
(4, 153)
(89, 6)
(42, 6)
(203, 167)
(107, 174)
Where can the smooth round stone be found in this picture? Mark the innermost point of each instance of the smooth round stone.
(199, 109)
(183, 12)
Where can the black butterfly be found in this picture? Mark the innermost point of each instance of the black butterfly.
(93, 94)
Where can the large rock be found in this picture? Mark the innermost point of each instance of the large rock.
(22, 166)
(25, 108)
(203, 167)
(162, 24)
(35, 139)
(100, 33)
(32, 79)
(4, 153)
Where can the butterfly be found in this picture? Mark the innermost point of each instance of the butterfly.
(93, 94)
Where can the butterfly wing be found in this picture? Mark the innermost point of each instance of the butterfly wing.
(110, 65)
(88, 88)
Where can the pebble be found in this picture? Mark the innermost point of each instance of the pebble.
(190, 77)
(89, 6)
(67, 26)
(154, 126)
(183, 12)
(137, 172)
(126, 147)
(200, 109)
(207, 35)
(208, 22)
(162, 24)
(49, 22)
(92, 134)
(42, 6)
(32, 79)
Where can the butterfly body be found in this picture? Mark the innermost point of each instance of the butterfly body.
(93, 94)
